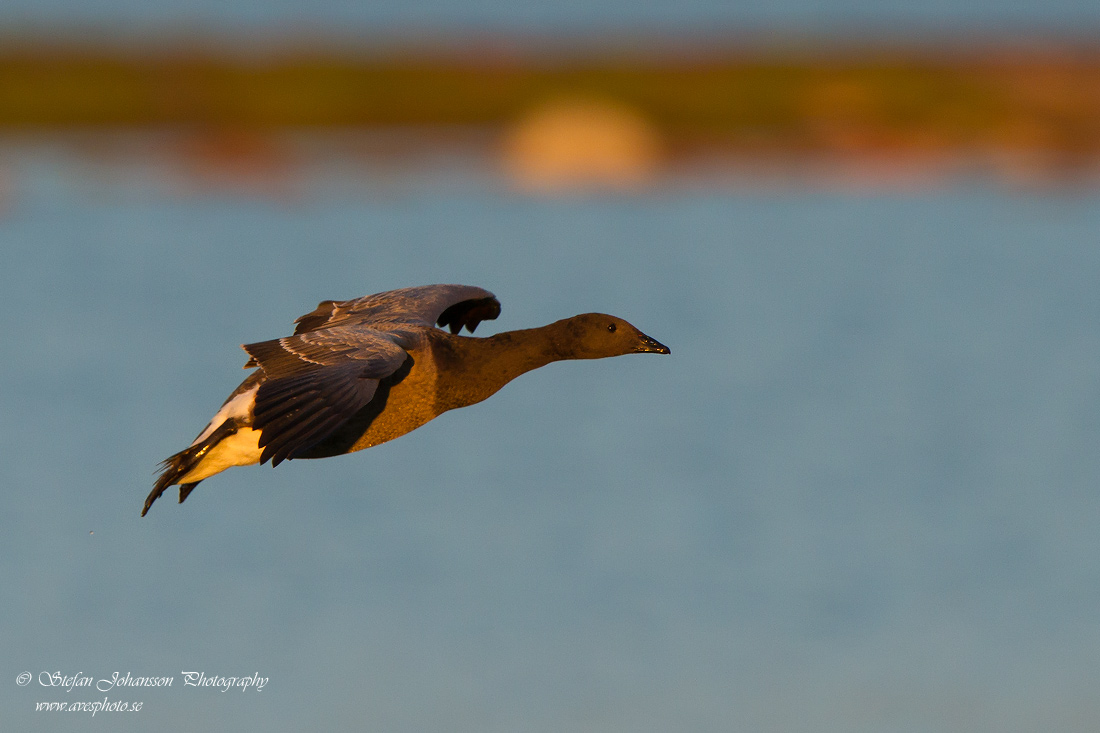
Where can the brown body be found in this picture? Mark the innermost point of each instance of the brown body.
(446, 373)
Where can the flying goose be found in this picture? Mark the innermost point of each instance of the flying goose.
(359, 372)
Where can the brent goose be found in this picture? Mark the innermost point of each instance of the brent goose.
(359, 372)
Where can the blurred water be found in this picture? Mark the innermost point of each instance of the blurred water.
(847, 17)
(859, 496)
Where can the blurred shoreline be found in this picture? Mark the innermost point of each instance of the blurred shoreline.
(852, 114)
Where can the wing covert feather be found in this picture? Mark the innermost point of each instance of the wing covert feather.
(315, 381)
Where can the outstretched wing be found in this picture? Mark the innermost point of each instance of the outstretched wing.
(315, 381)
(453, 306)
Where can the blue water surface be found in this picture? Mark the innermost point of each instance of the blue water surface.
(860, 495)
(376, 21)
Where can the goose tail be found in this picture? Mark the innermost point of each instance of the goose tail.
(177, 466)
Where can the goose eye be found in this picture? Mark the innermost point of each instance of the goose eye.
(611, 328)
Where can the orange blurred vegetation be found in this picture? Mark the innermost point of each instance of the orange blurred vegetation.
(869, 102)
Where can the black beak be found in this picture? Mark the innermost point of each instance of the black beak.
(647, 345)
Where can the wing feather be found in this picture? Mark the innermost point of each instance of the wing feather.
(315, 381)
(426, 305)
